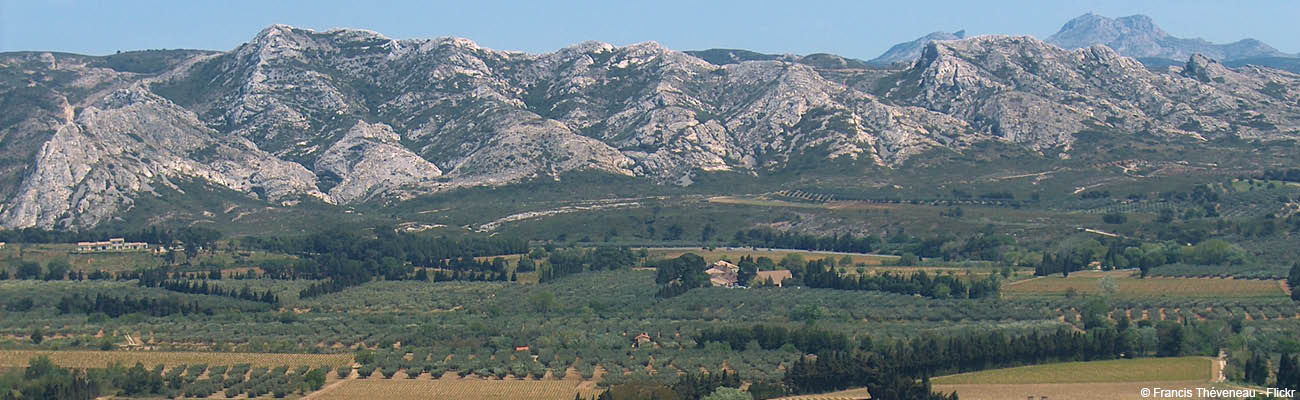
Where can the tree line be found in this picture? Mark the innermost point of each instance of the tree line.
(820, 274)
(772, 337)
(1290, 175)
(562, 263)
(345, 258)
(676, 276)
(114, 307)
(771, 238)
(200, 236)
(44, 380)
(897, 370)
(1293, 281)
(1077, 254)
(414, 248)
(158, 278)
(1288, 372)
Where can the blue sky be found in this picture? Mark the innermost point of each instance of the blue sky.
(859, 29)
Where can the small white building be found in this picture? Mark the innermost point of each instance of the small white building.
(113, 244)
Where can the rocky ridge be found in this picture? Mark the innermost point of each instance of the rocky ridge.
(908, 52)
(349, 116)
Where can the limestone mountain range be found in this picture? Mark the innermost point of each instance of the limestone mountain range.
(350, 116)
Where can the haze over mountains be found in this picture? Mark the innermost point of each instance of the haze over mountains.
(1138, 36)
(351, 116)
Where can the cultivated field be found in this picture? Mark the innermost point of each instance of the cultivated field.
(850, 394)
(455, 388)
(1134, 370)
(99, 359)
(1086, 282)
(1110, 379)
(1072, 391)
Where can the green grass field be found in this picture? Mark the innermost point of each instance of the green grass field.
(1240, 185)
(1110, 371)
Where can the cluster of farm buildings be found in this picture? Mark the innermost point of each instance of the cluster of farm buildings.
(113, 244)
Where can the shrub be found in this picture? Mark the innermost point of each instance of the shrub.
(365, 371)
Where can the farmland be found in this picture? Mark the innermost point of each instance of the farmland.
(1132, 286)
(100, 359)
(1080, 391)
(1112, 379)
(1113, 371)
(588, 319)
(454, 387)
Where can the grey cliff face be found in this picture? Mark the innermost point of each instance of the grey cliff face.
(350, 116)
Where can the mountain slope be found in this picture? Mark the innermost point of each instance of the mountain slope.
(1027, 91)
(351, 116)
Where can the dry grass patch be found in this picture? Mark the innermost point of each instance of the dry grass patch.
(850, 394)
(1073, 391)
(762, 201)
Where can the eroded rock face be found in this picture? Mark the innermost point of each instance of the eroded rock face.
(1026, 91)
(350, 116)
(370, 160)
(124, 143)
